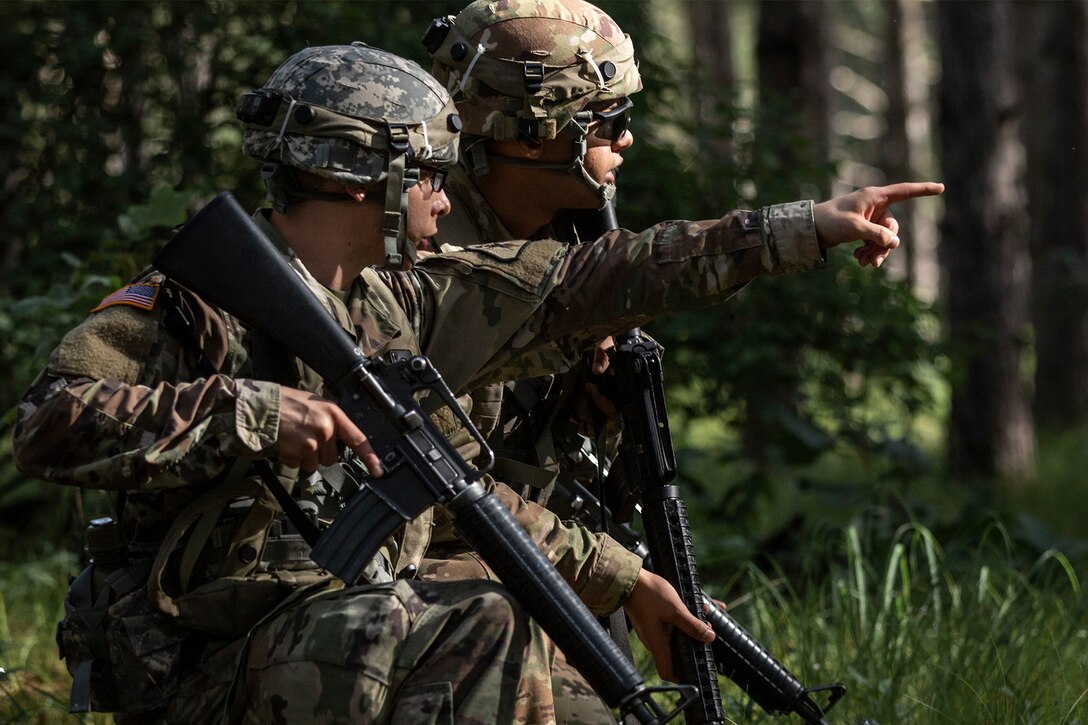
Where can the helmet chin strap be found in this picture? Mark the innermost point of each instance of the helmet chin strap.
(605, 192)
(575, 167)
(394, 221)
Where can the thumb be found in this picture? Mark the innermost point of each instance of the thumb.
(879, 235)
(694, 627)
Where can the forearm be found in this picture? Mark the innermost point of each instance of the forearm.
(624, 279)
(598, 568)
(533, 308)
(110, 435)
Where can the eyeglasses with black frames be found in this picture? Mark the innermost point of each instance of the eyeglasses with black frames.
(435, 176)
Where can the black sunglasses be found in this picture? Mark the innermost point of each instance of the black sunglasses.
(613, 123)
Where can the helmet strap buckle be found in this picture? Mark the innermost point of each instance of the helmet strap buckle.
(533, 76)
(394, 219)
(273, 174)
(398, 138)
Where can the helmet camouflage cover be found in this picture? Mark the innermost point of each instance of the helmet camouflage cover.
(341, 111)
(530, 77)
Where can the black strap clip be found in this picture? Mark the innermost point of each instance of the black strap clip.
(534, 77)
(398, 138)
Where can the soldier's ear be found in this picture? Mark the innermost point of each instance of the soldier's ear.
(530, 149)
(520, 149)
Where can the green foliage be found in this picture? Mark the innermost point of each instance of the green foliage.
(805, 410)
(919, 635)
(837, 364)
(33, 681)
(165, 208)
(987, 639)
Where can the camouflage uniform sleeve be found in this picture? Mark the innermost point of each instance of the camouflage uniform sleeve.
(601, 572)
(531, 308)
(106, 414)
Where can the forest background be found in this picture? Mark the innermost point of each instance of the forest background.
(885, 469)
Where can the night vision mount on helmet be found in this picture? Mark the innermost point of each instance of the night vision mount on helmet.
(358, 116)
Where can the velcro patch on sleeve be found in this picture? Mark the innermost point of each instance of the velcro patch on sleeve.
(141, 295)
(114, 344)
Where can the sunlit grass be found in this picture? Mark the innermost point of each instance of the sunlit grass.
(952, 618)
(918, 638)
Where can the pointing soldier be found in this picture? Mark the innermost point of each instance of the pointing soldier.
(544, 91)
(208, 606)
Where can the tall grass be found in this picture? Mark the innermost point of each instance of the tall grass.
(33, 680)
(919, 638)
(916, 635)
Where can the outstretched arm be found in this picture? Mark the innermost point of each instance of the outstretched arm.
(865, 215)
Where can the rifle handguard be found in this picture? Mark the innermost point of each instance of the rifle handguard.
(744, 661)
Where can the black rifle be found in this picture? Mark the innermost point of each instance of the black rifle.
(663, 515)
(737, 654)
(226, 259)
(643, 472)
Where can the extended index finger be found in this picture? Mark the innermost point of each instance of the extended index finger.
(911, 190)
(357, 441)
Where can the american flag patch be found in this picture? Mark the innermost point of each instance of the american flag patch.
(134, 295)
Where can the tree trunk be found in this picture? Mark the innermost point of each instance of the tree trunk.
(984, 243)
(909, 73)
(1056, 135)
(793, 54)
(713, 53)
(713, 78)
(793, 138)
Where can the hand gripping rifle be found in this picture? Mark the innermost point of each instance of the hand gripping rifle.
(643, 472)
(213, 255)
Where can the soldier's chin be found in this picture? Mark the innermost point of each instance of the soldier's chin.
(425, 244)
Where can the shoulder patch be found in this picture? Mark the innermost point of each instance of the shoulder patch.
(142, 295)
(114, 344)
(526, 264)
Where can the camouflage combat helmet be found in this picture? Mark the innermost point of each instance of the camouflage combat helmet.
(528, 69)
(354, 114)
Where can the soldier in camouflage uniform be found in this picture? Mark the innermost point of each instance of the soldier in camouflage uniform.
(544, 91)
(543, 88)
(524, 159)
(130, 402)
(168, 400)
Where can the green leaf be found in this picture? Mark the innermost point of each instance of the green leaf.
(164, 209)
